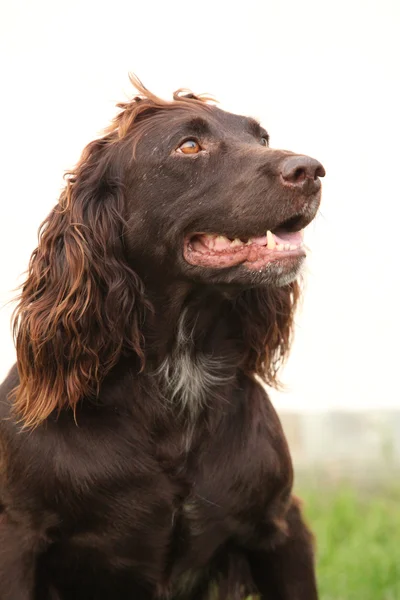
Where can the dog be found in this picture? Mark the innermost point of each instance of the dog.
(140, 455)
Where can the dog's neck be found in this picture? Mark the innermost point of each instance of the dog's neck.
(194, 356)
(184, 312)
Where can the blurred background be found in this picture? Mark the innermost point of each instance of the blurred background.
(324, 79)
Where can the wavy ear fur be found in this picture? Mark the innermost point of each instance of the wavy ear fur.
(267, 318)
(82, 305)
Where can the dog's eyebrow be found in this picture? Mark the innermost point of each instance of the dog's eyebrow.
(254, 126)
(197, 125)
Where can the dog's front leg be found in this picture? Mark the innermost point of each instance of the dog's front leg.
(17, 562)
(287, 572)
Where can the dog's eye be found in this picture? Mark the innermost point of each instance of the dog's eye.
(264, 141)
(189, 147)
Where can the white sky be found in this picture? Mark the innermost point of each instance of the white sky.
(323, 77)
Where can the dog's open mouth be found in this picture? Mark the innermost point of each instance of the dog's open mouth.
(218, 251)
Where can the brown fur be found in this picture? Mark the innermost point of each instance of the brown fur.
(62, 305)
(108, 489)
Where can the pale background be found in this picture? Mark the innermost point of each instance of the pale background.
(324, 79)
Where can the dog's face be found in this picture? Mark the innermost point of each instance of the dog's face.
(212, 201)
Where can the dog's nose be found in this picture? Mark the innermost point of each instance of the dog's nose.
(302, 172)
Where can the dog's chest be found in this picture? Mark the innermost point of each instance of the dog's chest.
(238, 481)
(166, 508)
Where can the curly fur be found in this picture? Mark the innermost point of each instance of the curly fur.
(139, 455)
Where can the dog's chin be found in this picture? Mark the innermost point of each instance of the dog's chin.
(276, 273)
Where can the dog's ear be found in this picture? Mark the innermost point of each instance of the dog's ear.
(267, 319)
(82, 305)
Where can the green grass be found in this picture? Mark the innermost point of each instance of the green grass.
(358, 542)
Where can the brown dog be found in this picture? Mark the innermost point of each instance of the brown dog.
(140, 457)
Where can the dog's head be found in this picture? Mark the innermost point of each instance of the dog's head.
(174, 191)
(216, 203)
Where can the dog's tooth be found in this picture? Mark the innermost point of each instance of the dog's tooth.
(271, 243)
(221, 243)
(209, 240)
(223, 240)
(236, 242)
(280, 247)
(293, 247)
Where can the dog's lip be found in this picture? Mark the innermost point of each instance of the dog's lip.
(219, 251)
